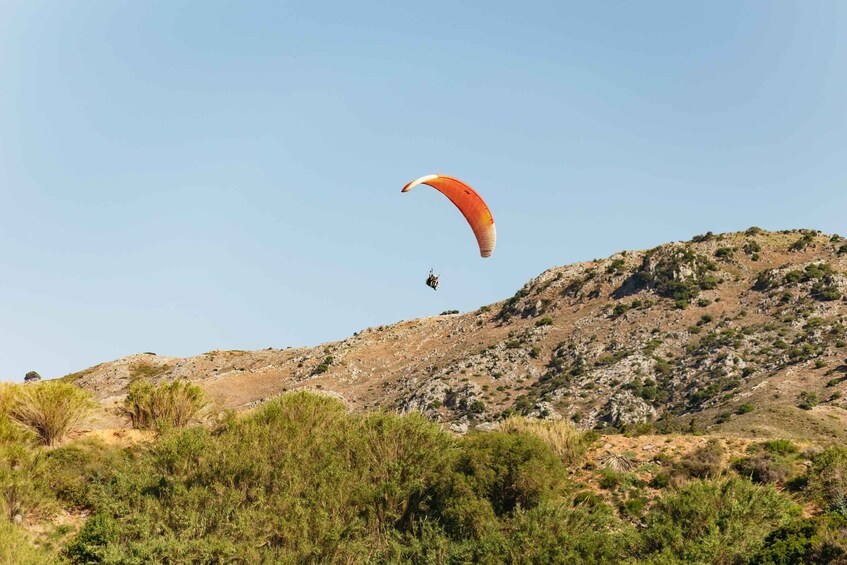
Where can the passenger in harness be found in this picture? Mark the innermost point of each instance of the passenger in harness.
(432, 281)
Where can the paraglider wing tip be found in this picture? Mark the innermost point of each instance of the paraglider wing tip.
(418, 181)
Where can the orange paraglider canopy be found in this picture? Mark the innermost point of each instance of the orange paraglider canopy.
(469, 203)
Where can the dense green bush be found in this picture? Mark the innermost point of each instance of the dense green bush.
(714, 522)
(492, 475)
(818, 540)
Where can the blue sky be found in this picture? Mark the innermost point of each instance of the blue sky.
(179, 176)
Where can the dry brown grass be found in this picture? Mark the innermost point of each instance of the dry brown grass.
(568, 442)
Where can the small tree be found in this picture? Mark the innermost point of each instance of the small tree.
(51, 409)
(32, 376)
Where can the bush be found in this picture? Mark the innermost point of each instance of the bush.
(827, 480)
(619, 310)
(714, 522)
(50, 409)
(557, 533)
(825, 293)
(802, 243)
(169, 405)
(703, 462)
(303, 481)
(807, 400)
(807, 540)
(724, 253)
(763, 465)
(660, 481)
(275, 486)
(22, 474)
(546, 321)
(565, 439)
(779, 447)
(492, 475)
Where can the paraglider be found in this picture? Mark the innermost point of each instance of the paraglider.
(472, 207)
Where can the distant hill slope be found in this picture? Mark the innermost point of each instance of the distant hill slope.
(740, 333)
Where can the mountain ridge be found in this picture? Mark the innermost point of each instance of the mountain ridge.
(740, 333)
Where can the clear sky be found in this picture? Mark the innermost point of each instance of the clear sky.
(178, 177)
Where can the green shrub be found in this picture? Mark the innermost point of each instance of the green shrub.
(546, 321)
(827, 480)
(619, 310)
(558, 533)
(765, 280)
(807, 400)
(808, 540)
(802, 243)
(50, 409)
(724, 253)
(779, 447)
(616, 267)
(719, 522)
(660, 481)
(302, 480)
(751, 247)
(168, 405)
(744, 409)
(477, 407)
(825, 293)
(509, 469)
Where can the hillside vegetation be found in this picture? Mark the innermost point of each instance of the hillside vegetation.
(303, 480)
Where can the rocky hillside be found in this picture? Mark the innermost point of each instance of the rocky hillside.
(741, 333)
